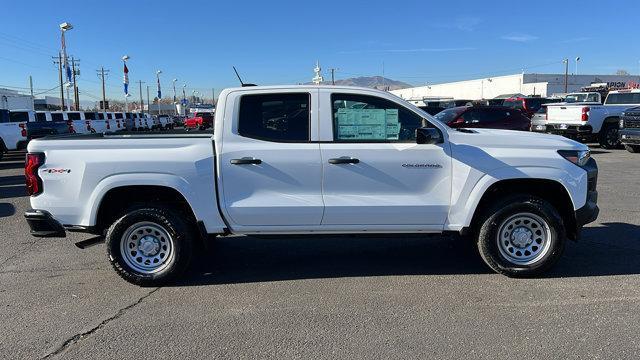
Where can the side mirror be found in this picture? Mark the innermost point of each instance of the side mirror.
(428, 136)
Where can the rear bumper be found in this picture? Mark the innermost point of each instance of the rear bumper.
(577, 132)
(42, 224)
(629, 136)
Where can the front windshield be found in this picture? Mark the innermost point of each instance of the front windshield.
(572, 98)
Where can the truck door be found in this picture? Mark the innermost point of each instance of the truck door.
(374, 173)
(269, 163)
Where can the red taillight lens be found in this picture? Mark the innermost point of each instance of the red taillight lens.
(118, 123)
(108, 126)
(88, 125)
(585, 114)
(23, 132)
(32, 179)
(70, 125)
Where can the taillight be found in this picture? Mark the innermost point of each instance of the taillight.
(118, 123)
(585, 113)
(31, 165)
(88, 125)
(23, 132)
(70, 125)
(108, 126)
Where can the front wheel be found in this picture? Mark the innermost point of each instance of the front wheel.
(521, 236)
(632, 148)
(150, 246)
(608, 137)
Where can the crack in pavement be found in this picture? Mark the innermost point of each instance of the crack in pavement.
(78, 337)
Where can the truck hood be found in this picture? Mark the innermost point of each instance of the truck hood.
(493, 138)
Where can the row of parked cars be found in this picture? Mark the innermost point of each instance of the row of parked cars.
(18, 127)
(610, 118)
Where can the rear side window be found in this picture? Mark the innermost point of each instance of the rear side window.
(19, 116)
(100, 116)
(534, 104)
(275, 117)
(623, 98)
(41, 117)
(4, 116)
(118, 115)
(362, 118)
(73, 116)
(90, 116)
(481, 116)
(57, 117)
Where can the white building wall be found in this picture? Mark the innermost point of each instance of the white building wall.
(526, 84)
(12, 100)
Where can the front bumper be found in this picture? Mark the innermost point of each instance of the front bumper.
(629, 136)
(589, 212)
(42, 224)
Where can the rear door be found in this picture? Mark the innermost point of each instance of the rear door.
(269, 161)
(374, 173)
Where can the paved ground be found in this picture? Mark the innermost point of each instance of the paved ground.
(327, 298)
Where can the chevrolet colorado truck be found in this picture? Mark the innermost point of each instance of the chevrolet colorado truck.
(296, 160)
(586, 122)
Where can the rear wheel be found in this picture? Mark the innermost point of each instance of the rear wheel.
(521, 236)
(608, 137)
(632, 148)
(150, 246)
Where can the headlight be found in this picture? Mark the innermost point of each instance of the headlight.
(578, 157)
(621, 123)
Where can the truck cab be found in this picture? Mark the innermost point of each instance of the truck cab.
(13, 131)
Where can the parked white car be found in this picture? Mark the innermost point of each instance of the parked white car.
(13, 132)
(292, 160)
(591, 122)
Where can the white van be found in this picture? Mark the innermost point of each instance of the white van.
(13, 131)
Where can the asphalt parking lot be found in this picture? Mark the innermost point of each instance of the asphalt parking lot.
(332, 297)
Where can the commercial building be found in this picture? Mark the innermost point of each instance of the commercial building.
(499, 86)
(13, 100)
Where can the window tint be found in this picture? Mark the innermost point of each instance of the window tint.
(73, 116)
(448, 115)
(623, 98)
(481, 116)
(513, 103)
(20, 116)
(4, 116)
(41, 117)
(275, 117)
(534, 104)
(100, 116)
(369, 119)
(90, 116)
(57, 117)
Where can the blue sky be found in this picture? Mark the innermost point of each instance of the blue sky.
(278, 42)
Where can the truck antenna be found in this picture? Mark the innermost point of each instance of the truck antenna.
(240, 79)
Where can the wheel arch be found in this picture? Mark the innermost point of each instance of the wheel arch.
(550, 190)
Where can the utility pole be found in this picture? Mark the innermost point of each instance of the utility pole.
(101, 73)
(59, 63)
(333, 80)
(140, 82)
(76, 94)
(566, 75)
(148, 102)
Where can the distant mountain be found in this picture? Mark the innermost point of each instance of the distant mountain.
(375, 82)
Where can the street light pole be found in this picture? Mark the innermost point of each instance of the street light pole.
(566, 75)
(577, 60)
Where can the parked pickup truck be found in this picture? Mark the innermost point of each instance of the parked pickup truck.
(591, 122)
(200, 120)
(630, 129)
(13, 132)
(295, 160)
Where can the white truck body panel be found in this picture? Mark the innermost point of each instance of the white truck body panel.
(11, 134)
(396, 186)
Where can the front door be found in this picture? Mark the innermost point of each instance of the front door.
(374, 173)
(271, 170)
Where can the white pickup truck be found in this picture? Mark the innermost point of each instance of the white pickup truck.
(591, 122)
(13, 132)
(295, 160)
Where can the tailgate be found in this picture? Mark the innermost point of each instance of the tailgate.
(569, 114)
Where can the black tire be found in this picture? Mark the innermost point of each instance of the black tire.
(608, 136)
(632, 148)
(181, 245)
(495, 221)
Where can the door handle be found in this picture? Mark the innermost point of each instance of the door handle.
(246, 161)
(344, 160)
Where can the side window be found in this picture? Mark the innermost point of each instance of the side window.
(57, 117)
(90, 116)
(41, 117)
(73, 116)
(476, 116)
(275, 117)
(19, 116)
(118, 115)
(363, 118)
(4, 116)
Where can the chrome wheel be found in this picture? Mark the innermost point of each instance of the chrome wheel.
(147, 247)
(524, 238)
